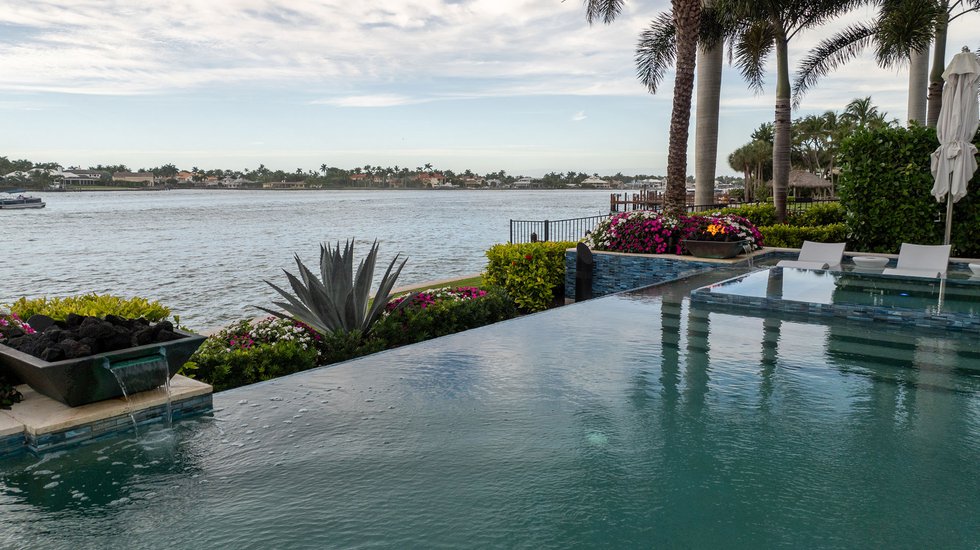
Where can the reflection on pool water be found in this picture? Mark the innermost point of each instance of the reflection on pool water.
(632, 420)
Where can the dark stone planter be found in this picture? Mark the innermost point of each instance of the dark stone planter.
(714, 249)
(85, 380)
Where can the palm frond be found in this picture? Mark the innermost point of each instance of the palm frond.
(656, 51)
(830, 54)
(603, 10)
(751, 50)
(905, 26)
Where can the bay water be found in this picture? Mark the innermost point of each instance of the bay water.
(206, 253)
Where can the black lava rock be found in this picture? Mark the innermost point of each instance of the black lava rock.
(80, 336)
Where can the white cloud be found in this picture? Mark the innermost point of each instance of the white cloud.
(579, 116)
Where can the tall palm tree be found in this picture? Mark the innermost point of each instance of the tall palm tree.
(686, 19)
(767, 26)
(655, 54)
(901, 33)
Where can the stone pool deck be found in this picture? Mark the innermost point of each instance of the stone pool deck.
(39, 423)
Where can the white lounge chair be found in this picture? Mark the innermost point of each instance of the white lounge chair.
(816, 256)
(921, 260)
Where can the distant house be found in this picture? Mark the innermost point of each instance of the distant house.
(431, 179)
(185, 177)
(473, 182)
(523, 183)
(134, 177)
(236, 183)
(598, 183)
(81, 177)
(284, 185)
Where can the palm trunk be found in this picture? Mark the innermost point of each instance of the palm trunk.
(918, 84)
(782, 135)
(710, 61)
(938, 66)
(687, 17)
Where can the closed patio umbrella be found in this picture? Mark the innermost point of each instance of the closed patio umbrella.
(954, 162)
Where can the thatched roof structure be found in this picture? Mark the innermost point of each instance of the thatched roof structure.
(805, 180)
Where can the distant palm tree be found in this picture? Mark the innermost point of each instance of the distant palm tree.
(863, 114)
(323, 168)
(765, 26)
(686, 17)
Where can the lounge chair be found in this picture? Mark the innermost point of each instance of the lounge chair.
(920, 260)
(816, 256)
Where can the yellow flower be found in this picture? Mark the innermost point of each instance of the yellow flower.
(714, 229)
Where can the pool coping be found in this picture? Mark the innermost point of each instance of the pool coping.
(39, 423)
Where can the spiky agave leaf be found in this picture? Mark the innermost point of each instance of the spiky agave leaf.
(338, 300)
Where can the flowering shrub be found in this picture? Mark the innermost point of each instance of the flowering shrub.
(724, 228)
(431, 296)
(639, 232)
(452, 310)
(648, 232)
(245, 353)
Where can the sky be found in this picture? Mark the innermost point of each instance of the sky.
(525, 86)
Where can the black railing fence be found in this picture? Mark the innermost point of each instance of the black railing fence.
(574, 229)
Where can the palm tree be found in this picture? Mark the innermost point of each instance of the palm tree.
(901, 33)
(863, 114)
(686, 17)
(656, 52)
(766, 26)
(323, 168)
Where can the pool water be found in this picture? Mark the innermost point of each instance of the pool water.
(635, 420)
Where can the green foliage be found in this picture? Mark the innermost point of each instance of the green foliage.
(414, 324)
(821, 213)
(8, 394)
(814, 214)
(338, 300)
(531, 273)
(758, 214)
(792, 236)
(245, 354)
(885, 186)
(93, 305)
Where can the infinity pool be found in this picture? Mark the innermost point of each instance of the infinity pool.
(636, 420)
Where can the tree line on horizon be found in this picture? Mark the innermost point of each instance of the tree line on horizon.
(326, 176)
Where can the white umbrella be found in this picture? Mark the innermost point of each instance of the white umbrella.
(954, 163)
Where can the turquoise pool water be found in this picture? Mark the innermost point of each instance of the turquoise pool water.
(637, 420)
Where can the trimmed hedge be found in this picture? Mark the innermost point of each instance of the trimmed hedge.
(885, 186)
(792, 236)
(816, 214)
(531, 273)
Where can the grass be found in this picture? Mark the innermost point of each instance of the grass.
(467, 281)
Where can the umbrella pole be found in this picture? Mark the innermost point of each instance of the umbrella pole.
(949, 214)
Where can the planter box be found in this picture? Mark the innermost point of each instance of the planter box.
(714, 249)
(85, 380)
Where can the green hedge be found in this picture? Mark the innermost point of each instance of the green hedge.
(885, 186)
(792, 236)
(531, 273)
(815, 214)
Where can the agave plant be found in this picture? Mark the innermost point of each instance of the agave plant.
(338, 301)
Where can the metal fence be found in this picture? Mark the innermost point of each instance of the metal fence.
(574, 229)
(526, 231)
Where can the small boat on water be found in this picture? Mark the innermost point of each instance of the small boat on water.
(20, 202)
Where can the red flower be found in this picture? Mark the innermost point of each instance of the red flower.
(528, 257)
